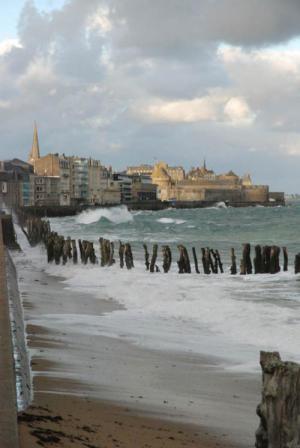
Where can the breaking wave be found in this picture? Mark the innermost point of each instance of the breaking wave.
(171, 221)
(116, 215)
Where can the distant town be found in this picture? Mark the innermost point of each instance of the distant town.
(59, 181)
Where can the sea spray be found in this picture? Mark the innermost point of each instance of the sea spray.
(115, 215)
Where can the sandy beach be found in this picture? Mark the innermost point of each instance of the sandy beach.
(97, 391)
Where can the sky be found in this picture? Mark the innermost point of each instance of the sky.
(135, 81)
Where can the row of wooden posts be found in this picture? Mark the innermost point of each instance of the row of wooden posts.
(61, 250)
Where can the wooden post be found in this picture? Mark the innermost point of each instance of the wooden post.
(186, 258)
(297, 264)
(180, 262)
(206, 260)
(266, 259)
(274, 260)
(121, 254)
(246, 263)
(153, 258)
(233, 268)
(184, 264)
(220, 264)
(81, 250)
(258, 262)
(167, 258)
(279, 409)
(147, 256)
(210, 261)
(195, 260)
(91, 251)
(128, 256)
(214, 264)
(285, 259)
(74, 252)
(111, 260)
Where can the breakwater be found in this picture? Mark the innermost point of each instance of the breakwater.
(61, 250)
(157, 205)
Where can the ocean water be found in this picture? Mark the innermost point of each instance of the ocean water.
(228, 317)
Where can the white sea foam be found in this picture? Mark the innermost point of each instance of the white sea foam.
(202, 314)
(171, 221)
(116, 215)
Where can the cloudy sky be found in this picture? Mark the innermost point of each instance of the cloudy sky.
(131, 81)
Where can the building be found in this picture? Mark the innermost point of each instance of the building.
(112, 193)
(143, 189)
(54, 165)
(176, 173)
(140, 170)
(47, 191)
(201, 184)
(16, 183)
(79, 180)
(125, 185)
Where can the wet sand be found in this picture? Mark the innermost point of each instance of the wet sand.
(158, 399)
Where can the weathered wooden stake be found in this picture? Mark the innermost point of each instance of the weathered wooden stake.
(220, 264)
(285, 259)
(233, 268)
(195, 260)
(279, 409)
(128, 256)
(147, 256)
(167, 258)
(274, 260)
(297, 264)
(246, 263)
(121, 254)
(258, 261)
(153, 258)
(74, 252)
(266, 259)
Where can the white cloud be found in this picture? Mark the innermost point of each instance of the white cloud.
(215, 107)
(8, 44)
(40, 71)
(238, 111)
(100, 21)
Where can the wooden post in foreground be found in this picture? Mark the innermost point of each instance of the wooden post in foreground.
(279, 409)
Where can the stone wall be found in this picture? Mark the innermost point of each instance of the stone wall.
(255, 193)
(8, 402)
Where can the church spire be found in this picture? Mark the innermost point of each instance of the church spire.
(35, 149)
(204, 163)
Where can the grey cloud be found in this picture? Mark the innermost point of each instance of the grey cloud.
(173, 27)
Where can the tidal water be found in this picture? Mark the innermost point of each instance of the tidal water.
(229, 317)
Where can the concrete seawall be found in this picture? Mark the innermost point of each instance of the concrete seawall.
(8, 400)
(21, 355)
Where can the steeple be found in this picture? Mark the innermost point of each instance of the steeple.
(35, 149)
(204, 163)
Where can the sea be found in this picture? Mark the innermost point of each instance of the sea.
(229, 317)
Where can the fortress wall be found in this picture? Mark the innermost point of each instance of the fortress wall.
(255, 193)
(223, 195)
